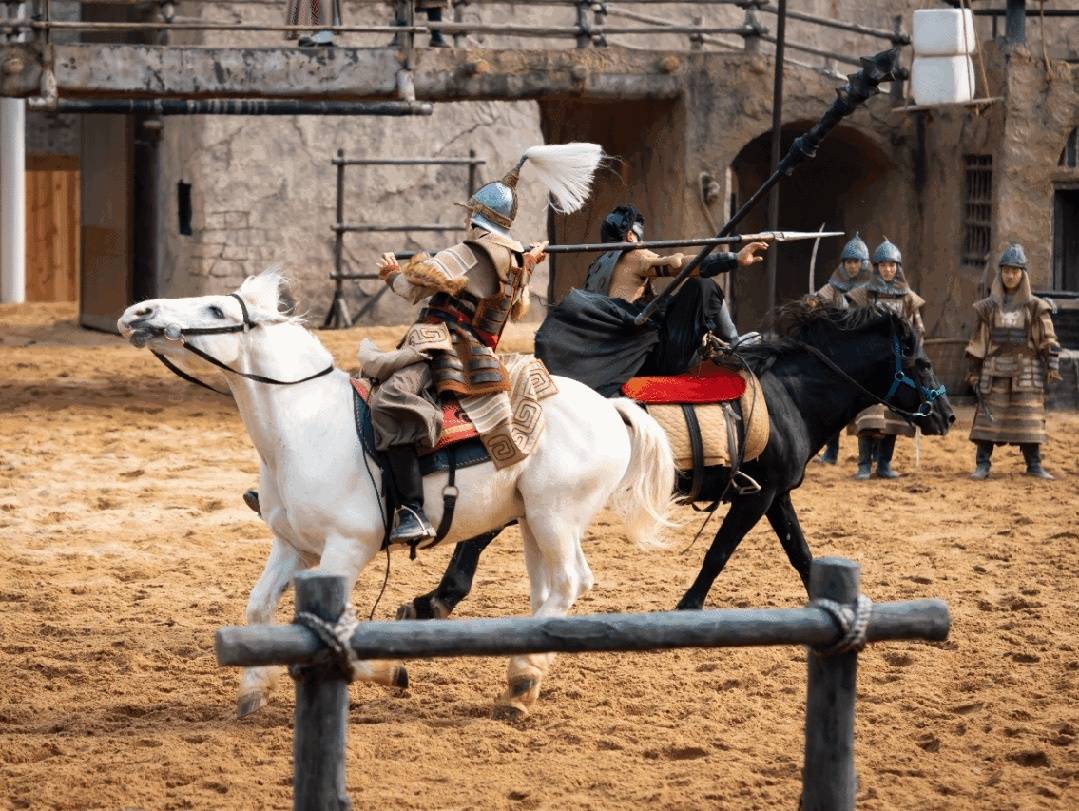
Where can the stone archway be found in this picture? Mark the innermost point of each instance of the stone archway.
(851, 185)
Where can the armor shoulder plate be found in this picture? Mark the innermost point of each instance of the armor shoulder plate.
(984, 309)
(499, 254)
(859, 296)
(916, 301)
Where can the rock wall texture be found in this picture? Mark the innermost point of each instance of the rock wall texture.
(264, 188)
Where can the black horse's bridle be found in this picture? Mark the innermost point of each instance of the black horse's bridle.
(174, 332)
(901, 378)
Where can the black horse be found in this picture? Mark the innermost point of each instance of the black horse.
(826, 366)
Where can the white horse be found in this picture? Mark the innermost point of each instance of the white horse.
(319, 498)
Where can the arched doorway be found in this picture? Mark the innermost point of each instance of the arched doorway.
(851, 185)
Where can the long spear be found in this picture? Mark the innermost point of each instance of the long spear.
(860, 87)
(764, 236)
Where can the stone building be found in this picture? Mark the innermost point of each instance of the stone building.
(950, 186)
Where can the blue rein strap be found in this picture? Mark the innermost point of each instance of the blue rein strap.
(929, 396)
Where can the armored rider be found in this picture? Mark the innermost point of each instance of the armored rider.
(618, 286)
(852, 272)
(1013, 354)
(877, 427)
(475, 288)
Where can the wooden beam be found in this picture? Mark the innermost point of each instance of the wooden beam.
(143, 71)
(255, 645)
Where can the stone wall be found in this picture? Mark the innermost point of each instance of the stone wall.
(264, 188)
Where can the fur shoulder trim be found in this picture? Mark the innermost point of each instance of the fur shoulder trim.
(422, 272)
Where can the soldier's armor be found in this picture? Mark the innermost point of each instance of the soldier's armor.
(1011, 352)
(496, 276)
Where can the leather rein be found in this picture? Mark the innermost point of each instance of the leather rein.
(174, 332)
(901, 378)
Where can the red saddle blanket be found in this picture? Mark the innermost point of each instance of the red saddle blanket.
(707, 383)
(456, 426)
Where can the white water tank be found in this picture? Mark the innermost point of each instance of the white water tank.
(943, 32)
(943, 72)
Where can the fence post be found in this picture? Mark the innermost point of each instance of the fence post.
(321, 719)
(829, 782)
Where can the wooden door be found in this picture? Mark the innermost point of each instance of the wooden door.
(52, 228)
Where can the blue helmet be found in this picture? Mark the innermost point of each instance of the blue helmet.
(887, 252)
(1013, 255)
(855, 249)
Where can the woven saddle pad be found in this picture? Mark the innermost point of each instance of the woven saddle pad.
(713, 421)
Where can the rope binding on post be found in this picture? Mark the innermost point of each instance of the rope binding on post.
(336, 636)
(852, 622)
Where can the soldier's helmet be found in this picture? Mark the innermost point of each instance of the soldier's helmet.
(1013, 255)
(887, 252)
(494, 205)
(855, 249)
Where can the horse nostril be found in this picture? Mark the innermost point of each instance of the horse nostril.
(142, 312)
(951, 419)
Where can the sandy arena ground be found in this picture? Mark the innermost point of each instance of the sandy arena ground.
(124, 545)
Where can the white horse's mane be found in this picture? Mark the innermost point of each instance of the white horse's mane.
(262, 293)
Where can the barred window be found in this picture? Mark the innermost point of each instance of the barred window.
(979, 209)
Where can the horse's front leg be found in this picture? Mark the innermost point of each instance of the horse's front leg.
(283, 563)
(347, 556)
(455, 585)
(784, 521)
(558, 574)
(743, 515)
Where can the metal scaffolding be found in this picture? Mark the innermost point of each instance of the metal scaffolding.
(338, 317)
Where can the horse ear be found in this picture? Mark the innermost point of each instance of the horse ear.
(263, 292)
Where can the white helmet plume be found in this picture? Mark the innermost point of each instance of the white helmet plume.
(566, 171)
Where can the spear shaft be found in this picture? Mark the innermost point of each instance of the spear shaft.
(860, 86)
(764, 236)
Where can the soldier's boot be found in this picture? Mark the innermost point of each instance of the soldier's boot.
(410, 524)
(983, 460)
(831, 451)
(1032, 453)
(434, 15)
(865, 457)
(251, 499)
(885, 450)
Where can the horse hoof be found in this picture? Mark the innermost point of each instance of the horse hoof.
(400, 677)
(510, 713)
(405, 611)
(439, 610)
(249, 703)
(688, 605)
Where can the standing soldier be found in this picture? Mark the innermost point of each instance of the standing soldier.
(1013, 353)
(877, 427)
(475, 288)
(316, 13)
(434, 9)
(853, 272)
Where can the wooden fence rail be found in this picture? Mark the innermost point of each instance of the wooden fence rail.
(828, 777)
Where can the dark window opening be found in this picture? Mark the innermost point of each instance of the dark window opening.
(978, 211)
(1066, 239)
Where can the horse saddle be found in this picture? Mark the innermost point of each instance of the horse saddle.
(712, 416)
(708, 383)
(459, 442)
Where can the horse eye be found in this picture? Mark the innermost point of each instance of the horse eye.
(216, 311)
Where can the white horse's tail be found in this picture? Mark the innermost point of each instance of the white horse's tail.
(645, 495)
